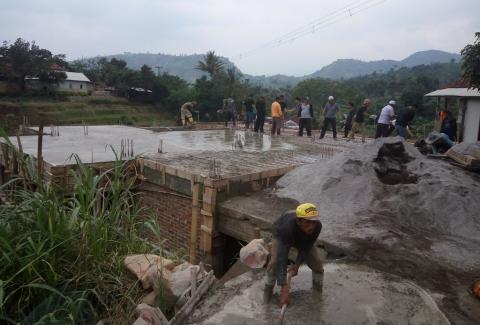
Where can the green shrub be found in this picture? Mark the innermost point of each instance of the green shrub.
(61, 257)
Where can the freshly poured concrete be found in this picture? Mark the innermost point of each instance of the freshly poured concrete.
(95, 147)
(351, 295)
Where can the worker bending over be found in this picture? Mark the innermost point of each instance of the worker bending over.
(298, 229)
(186, 114)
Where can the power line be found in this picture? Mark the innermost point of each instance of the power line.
(320, 23)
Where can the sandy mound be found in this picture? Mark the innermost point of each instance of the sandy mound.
(387, 204)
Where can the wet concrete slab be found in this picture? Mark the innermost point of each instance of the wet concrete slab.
(96, 145)
(352, 294)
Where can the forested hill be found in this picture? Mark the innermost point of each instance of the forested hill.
(349, 68)
(183, 66)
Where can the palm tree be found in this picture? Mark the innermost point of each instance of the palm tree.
(212, 64)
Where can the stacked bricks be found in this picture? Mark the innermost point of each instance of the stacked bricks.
(174, 214)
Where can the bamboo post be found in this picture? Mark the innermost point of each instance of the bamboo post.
(207, 227)
(24, 169)
(194, 226)
(39, 151)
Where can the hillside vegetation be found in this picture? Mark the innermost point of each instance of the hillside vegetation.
(78, 110)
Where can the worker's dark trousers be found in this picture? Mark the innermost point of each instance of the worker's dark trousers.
(382, 130)
(259, 122)
(348, 128)
(230, 116)
(325, 126)
(276, 125)
(305, 123)
(314, 259)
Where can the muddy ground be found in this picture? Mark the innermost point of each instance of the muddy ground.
(352, 294)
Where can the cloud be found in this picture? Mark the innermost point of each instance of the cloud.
(392, 30)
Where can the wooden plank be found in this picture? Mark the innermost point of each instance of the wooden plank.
(208, 221)
(190, 304)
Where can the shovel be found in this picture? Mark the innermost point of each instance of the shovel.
(284, 306)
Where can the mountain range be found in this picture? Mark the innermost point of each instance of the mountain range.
(184, 66)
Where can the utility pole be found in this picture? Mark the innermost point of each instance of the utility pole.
(158, 67)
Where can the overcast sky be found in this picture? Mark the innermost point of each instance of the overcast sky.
(391, 30)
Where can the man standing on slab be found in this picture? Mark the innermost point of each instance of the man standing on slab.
(277, 116)
(330, 112)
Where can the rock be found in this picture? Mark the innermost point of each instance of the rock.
(141, 321)
(156, 276)
(254, 254)
(150, 299)
(181, 267)
(150, 315)
(141, 263)
(180, 278)
(169, 285)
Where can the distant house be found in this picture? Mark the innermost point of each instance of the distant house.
(76, 82)
(469, 110)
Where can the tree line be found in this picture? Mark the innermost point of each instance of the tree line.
(406, 85)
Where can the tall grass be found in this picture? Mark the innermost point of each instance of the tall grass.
(61, 257)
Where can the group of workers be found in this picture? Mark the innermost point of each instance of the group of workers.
(354, 122)
(390, 119)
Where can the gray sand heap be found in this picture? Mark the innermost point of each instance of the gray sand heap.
(387, 196)
(387, 205)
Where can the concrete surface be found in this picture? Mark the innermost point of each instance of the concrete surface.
(352, 294)
(95, 147)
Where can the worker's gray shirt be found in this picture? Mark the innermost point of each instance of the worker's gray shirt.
(288, 235)
(230, 106)
(330, 110)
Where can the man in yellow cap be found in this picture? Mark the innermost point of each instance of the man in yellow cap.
(298, 229)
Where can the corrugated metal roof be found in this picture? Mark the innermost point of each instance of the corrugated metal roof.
(71, 76)
(455, 92)
(76, 76)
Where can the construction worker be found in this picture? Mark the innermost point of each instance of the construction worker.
(277, 116)
(305, 115)
(405, 117)
(249, 104)
(386, 116)
(330, 113)
(359, 120)
(298, 229)
(230, 111)
(260, 120)
(186, 114)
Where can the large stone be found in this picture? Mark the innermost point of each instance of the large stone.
(143, 265)
(149, 315)
(168, 285)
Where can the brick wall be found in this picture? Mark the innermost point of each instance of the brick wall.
(174, 213)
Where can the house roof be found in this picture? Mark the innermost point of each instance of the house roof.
(76, 76)
(455, 92)
(71, 76)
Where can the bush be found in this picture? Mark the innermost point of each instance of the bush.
(62, 257)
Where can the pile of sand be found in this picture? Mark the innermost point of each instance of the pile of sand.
(387, 204)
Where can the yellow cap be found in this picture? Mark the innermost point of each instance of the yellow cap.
(308, 211)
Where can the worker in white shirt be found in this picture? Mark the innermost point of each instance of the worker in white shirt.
(386, 116)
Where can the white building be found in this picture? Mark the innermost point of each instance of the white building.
(468, 118)
(76, 82)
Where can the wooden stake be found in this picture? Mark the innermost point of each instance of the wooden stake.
(194, 226)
